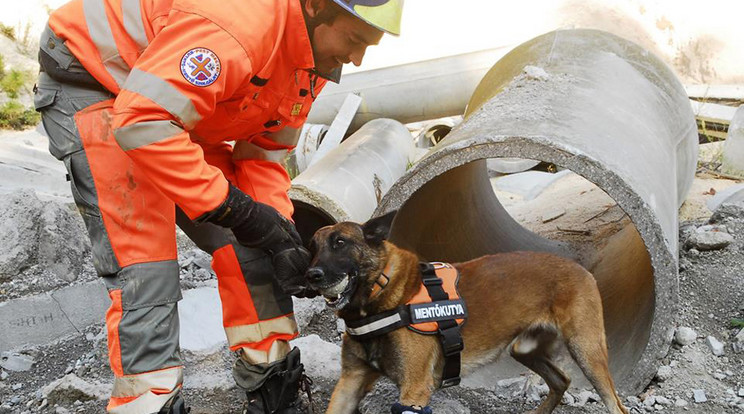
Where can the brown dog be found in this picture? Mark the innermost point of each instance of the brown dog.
(526, 302)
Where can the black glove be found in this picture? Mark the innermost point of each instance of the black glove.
(260, 226)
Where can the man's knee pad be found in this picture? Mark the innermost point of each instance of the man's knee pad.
(143, 319)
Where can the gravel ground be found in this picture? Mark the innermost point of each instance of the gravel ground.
(712, 295)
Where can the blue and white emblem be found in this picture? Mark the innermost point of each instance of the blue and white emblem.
(200, 66)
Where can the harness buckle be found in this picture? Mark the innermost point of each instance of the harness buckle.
(432, 281)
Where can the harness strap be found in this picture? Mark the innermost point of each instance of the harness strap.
(449, 331)
(379, 324)
(441, 310)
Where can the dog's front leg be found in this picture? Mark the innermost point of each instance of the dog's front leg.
(416, 388)
(357, 379)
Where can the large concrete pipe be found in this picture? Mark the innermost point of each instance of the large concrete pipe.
(408, 93)
(350, 180)
(611, 112)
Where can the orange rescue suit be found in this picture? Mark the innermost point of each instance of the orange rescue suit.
(189, 76)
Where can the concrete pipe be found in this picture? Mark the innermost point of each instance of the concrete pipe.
(609, 111)
(408, 93)
(350, 180)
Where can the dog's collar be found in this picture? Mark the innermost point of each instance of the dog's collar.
(382, 280)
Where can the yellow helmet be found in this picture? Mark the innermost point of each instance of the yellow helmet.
(382, 14)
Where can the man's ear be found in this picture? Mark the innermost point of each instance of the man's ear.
(377, 229)
(313, 7)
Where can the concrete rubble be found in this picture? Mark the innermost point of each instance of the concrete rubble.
(715, 346)
(45, 235)
(71, 388)
(15, 362)
(709, 237)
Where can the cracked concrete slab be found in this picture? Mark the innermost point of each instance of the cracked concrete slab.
(44, 318)
(84, 305)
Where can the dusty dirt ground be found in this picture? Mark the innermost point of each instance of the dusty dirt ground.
(711, 295)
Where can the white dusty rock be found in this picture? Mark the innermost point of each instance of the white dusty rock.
(699, 396)
(740, 336)
(586, 396)
(15, 362)
(446, 406)
(662, 400)
(664, 373)
(535, 73)
(71, 388)
(715, 346)
(709, 237)
(45, 233)
(685, 336)
(321, 358)
(305, 309)
(200, 312)
(680, 403)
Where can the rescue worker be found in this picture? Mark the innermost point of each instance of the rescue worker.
(140, 99)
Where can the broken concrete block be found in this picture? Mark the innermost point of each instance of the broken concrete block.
(733, 148)
(322, 359)
(715, 345)
(201, 320)
(699, 396)
(709, 237)
(16, 362)
(685, 336)
(44, 233)
(680, 403)
(664, 373)
(71, 388)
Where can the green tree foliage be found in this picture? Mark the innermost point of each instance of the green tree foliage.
(14, 116)
(13, 82)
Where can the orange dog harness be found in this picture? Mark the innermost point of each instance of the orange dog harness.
(437, 308)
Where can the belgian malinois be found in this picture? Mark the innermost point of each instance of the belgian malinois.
(526, 302)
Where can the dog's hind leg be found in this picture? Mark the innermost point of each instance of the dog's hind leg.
(585, 340)
(533, 349)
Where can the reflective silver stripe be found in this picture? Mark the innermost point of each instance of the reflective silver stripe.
(248, 334)
(376, 325)
(132, 13)
(164, 94)
(145, 133)
(146, 403)
(138, 384)
(249, 151)
(100, 33)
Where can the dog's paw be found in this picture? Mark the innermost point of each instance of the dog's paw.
(399, 408)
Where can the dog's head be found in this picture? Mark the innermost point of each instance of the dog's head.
(347, 258)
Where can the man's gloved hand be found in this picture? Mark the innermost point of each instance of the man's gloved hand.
(260, 226)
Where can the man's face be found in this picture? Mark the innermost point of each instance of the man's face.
(344, 40)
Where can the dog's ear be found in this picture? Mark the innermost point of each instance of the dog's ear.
(377, 229)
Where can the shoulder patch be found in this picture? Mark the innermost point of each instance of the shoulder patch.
(200, 66)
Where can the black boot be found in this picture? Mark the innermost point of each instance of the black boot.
(176, 405)
(274, 388)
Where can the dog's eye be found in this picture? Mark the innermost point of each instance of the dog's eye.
(338, 243)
